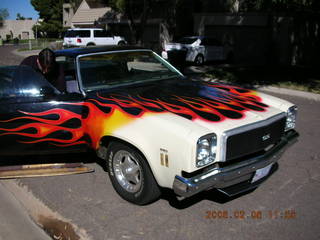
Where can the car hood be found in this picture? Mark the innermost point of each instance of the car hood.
(213, 106)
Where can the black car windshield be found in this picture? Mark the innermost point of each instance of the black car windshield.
(187, 40)
(106, 70)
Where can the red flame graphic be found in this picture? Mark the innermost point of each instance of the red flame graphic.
(93, 124)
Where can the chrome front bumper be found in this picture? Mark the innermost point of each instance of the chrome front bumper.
(233, 175)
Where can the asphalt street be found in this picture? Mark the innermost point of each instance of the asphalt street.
(286, 206)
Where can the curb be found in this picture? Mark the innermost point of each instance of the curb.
(46, 223)
(15, 221)
(291, 92)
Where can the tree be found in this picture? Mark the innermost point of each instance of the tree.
(74, 3)
(4, 14)
(50, 11)
(20, 17)
(137, 12)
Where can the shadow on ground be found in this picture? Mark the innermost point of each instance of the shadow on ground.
(84, 157)
(210, 195)
(298, 78)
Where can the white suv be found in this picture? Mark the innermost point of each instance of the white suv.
(79, 37)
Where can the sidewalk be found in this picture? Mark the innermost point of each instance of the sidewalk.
(26, 53)
(15, 223)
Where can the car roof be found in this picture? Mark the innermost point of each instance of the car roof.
(74, 52)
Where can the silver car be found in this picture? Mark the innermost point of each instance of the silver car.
(200, 49)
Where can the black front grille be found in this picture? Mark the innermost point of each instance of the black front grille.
(254, 140)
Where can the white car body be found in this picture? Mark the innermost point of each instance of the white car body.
(208, 49)
(176, 137)
(153, 127)
(80, 37)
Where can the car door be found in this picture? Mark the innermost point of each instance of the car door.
(35, 117)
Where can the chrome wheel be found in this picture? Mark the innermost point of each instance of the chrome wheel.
(127, 171)
(130, 174)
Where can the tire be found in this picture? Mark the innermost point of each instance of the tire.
(199, 60)
(90, 44)
(121, 43)
(130, 174)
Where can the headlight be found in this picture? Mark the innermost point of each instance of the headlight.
(206, 150)
(291, 118)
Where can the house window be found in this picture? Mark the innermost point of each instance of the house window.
(25, 35)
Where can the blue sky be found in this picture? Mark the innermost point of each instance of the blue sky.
(23, 7)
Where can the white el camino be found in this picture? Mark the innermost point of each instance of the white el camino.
(153, 127)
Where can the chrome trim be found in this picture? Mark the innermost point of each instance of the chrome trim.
(225, 135)
(233, 174)
(167, 64)
(79, 76)
(208, 136)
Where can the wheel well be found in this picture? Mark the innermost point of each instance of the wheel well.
(106, 141)
(91, 44)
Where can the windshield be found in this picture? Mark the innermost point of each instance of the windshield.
(121, 68)
(187, 40)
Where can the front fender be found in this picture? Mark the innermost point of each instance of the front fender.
(164, 141)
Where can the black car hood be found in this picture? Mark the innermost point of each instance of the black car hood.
(189, 99)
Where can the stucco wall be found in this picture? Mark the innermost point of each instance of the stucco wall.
(21, 29)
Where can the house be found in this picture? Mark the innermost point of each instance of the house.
(21, 29)
(86, 14)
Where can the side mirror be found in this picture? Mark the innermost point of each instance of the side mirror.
(47, 91)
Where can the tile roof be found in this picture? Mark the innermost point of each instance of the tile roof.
(89, 15)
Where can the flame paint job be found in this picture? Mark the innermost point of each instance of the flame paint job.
(104, 112)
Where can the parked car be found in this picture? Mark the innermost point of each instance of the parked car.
(78, 37)
(200, 49)
(153, 127)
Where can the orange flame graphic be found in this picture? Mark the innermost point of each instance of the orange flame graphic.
(107, 113)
